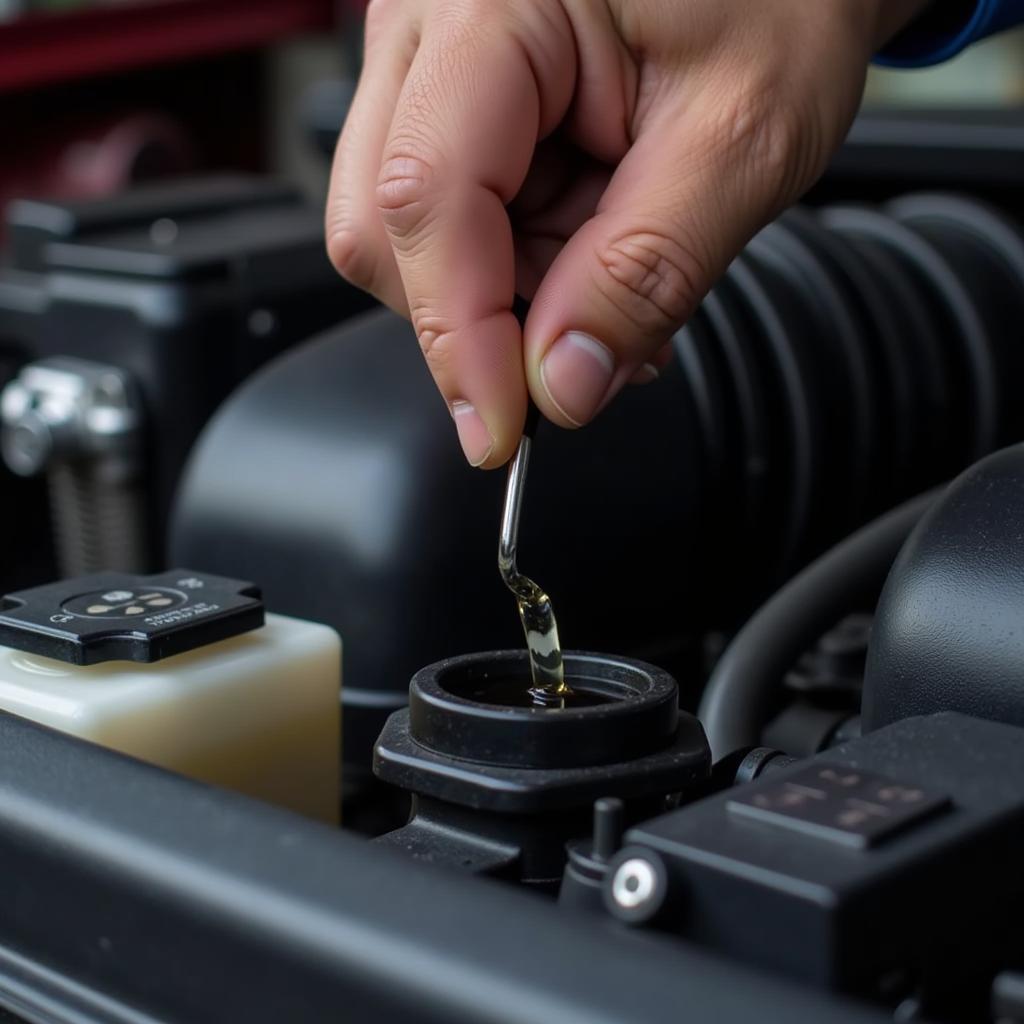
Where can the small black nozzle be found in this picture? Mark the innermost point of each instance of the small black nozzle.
(609, 814)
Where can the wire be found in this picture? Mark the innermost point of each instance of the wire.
(744, 684)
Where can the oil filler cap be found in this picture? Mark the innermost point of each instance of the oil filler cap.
(115, 616)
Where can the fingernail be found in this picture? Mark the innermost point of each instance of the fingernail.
(475, 438)
(647, 374)
(576, 374)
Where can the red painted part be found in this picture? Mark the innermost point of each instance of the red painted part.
(39, 49)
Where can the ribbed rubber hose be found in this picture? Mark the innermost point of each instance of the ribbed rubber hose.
(743, 688)
(99, 525)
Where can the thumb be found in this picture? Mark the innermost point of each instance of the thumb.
(681, 205)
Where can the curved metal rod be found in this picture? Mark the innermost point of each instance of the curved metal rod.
(535, 611)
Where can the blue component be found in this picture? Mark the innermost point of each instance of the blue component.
(939, 35)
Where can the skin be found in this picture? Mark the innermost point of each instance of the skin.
(606, 159)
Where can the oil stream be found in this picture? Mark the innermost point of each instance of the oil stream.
(549, 688)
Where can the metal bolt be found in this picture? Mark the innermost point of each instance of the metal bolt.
(635, 882)
(63, 409)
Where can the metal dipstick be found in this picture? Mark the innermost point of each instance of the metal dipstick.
(549, 687)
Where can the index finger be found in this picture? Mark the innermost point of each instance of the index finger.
(460, 144)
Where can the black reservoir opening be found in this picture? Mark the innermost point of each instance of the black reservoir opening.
(513, 691)
(478, 707)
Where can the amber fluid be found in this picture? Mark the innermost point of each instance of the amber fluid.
(511, 692)
(549, 688)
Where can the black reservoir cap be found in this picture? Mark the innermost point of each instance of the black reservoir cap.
(114, 616)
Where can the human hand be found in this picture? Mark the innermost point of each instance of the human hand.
(605, 158)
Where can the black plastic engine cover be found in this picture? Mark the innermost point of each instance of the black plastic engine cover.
(949, 633)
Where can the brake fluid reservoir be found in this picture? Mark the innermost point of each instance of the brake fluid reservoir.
(183, 670)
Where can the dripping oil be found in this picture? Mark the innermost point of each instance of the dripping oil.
(547, 674)
(548, 686)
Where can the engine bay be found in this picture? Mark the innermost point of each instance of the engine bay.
(267, 750)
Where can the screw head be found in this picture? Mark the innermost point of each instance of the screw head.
(634, 883)
(636, 888)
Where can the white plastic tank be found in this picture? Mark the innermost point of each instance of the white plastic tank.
(258, 712)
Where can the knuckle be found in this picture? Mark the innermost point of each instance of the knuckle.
(437, 350)
(350, 256)
(771, 138)
(653, 279)
(403, 195)
(766, 139)
(436, 337)
(752, 126)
